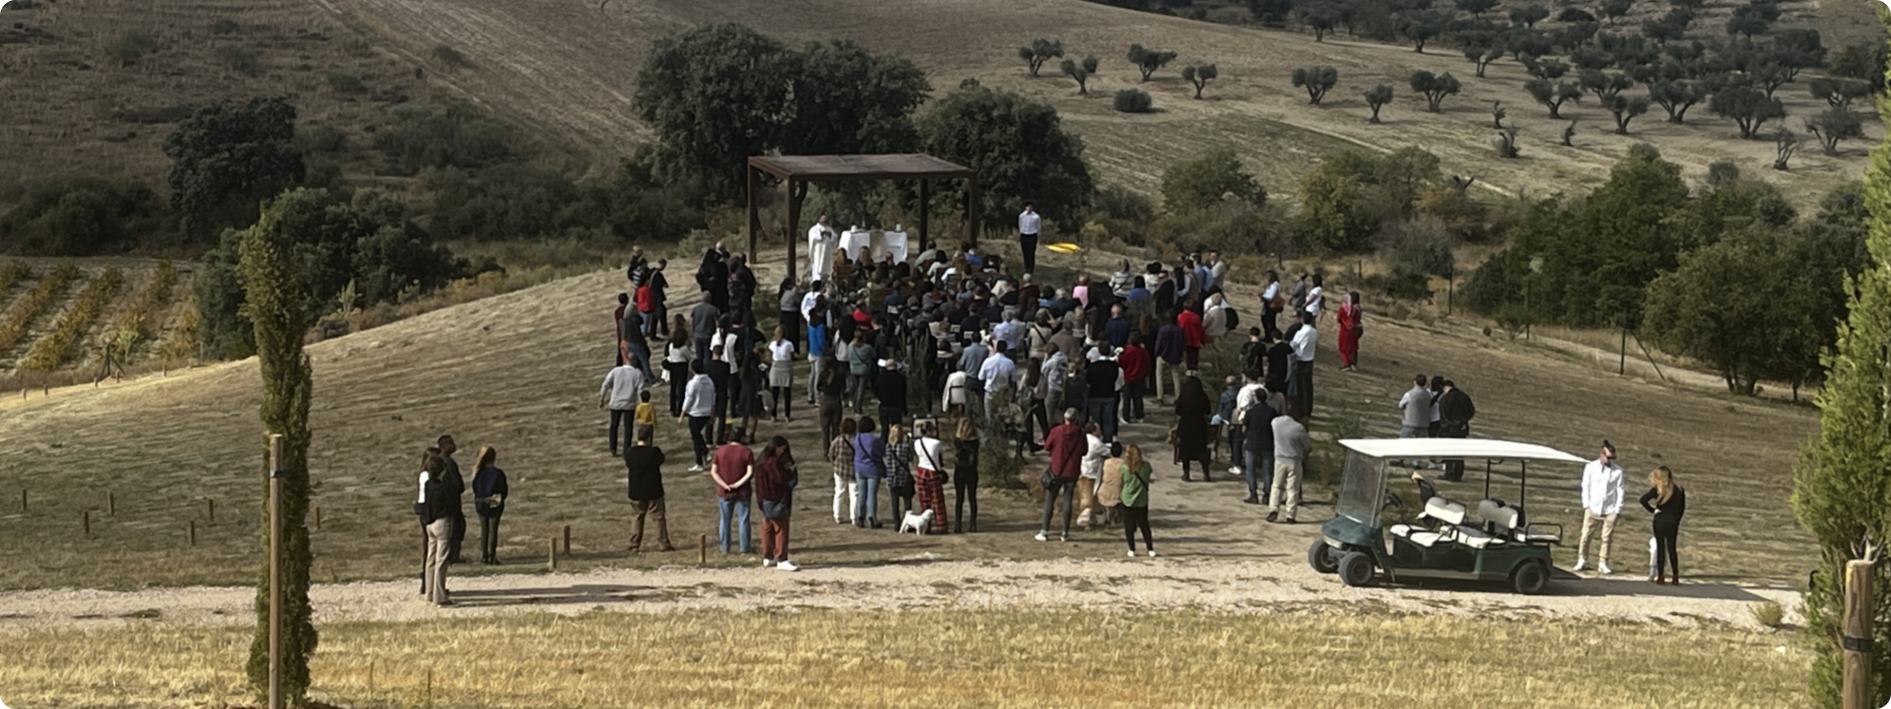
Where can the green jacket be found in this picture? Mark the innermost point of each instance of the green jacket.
(1136, 486)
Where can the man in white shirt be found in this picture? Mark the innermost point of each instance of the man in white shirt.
(1089, 475)
(821, 241)
(1029, 224)
(1415, 413)
(1601, 502)
(1217, 270)
(999, 374)
(1305, 343)
(699, 404)
(619, 394)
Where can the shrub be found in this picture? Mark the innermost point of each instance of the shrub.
(55, 348)
(128, 48)
(449, 56)
(344, 82)
(14, 272)
(1768, 614)
(1206, 180)
(457, 136)
(240, 58)
(1133, 101)
(80, 216)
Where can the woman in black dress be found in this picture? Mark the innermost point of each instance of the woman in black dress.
(1667, 502)
(1192, 409)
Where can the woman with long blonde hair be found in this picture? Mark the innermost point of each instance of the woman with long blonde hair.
(1135, 499)
(1667, 502)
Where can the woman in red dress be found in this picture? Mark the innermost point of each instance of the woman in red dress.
(1351, 326)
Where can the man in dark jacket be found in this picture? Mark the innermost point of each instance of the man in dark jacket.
(833, 388)
(713, 277)
(658, 286)
(455, 490)
(1100, 377)
(1455, 412)
(1257, 422)
(643, 463)
(436, 508)
(1170, 346)
(1067, 445)
(721, 373)
(890, 389)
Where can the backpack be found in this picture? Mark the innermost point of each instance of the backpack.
(1233, 318)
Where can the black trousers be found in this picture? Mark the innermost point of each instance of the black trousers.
(965, 490)
(698, 430)
(1667, 537)
(624, 417)
(458, 536)
(489, 538)
(791, 326)
(1028, 244)
(1135, 518)
(679, 383)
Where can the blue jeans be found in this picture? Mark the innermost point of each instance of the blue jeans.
(641, 352)
(1103, 412)
(867, 503)
(741, 510)
(1260, 471)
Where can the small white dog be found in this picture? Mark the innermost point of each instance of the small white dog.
(919, 522)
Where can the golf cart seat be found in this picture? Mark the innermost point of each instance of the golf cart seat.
(1444, 510)
(1508, 521)
(1417, 536)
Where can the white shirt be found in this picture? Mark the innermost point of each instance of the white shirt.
(1602, 488)
(422, 499)
(1029, 222)
(954, 390)
(807, 308)
(783, 350)
(1315, 299)
(699, 398)
(1273, 291)
(678, 353)
(621, 388)
(1305, 341)
(997, 373)
(1249, 394)
(1092, 466)
(928, 453)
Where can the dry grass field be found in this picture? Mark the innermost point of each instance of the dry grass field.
(564, 70)
(779, 657)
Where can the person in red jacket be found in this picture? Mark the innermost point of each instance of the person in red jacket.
(1193, 335)
(1066, 444)
(1137, 366)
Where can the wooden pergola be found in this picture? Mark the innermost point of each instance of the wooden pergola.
(796, 171)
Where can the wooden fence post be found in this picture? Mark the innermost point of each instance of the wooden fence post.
(702, 556)
(567, 540)
(551, 555)
(22, 500)
(111, 504)
(212, 518)
(193, 532)
(1856, 637)
(318, 519)
(85, 519)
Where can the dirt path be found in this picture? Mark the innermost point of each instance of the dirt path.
(1150, 584)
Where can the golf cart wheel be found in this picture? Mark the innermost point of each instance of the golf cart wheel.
(1321, 558)
(1355, 569)
(1530, 579)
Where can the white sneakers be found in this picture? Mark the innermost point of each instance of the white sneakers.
(1580, 565)
(695, 468)
(1152, 553)
(1132, 553)
(1603, 568)
(767, 563)
(787, 566)
(1042, 537)
(1234, 470)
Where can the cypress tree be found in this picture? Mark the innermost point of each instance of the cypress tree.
(1842, 484)
(278, 305)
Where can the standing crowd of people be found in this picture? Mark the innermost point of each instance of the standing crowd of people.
(1012, 364)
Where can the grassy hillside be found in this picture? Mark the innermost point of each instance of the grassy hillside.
(565, 68)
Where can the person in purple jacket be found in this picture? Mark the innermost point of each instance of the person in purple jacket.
(869, 470)
(1170, 346)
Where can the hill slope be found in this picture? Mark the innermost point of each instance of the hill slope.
(565, 69)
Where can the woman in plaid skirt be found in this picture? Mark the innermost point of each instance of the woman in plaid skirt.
(840, 453)
(931, 475)
(899, 471)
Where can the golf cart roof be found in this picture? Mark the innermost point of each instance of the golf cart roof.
(1455, 448)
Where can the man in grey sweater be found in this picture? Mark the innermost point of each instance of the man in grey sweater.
(1290, 452)
(702, 326)
(1415, 413)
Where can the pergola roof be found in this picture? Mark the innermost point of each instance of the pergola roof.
(898, 166)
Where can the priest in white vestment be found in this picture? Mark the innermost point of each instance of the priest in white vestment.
(821, 241)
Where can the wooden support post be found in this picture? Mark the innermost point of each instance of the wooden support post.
(925, 212)
(551, 555)
(567, 540)
(1856, 639)
(702, 557)
(275, 569)
(972, 216)
(755, 217)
